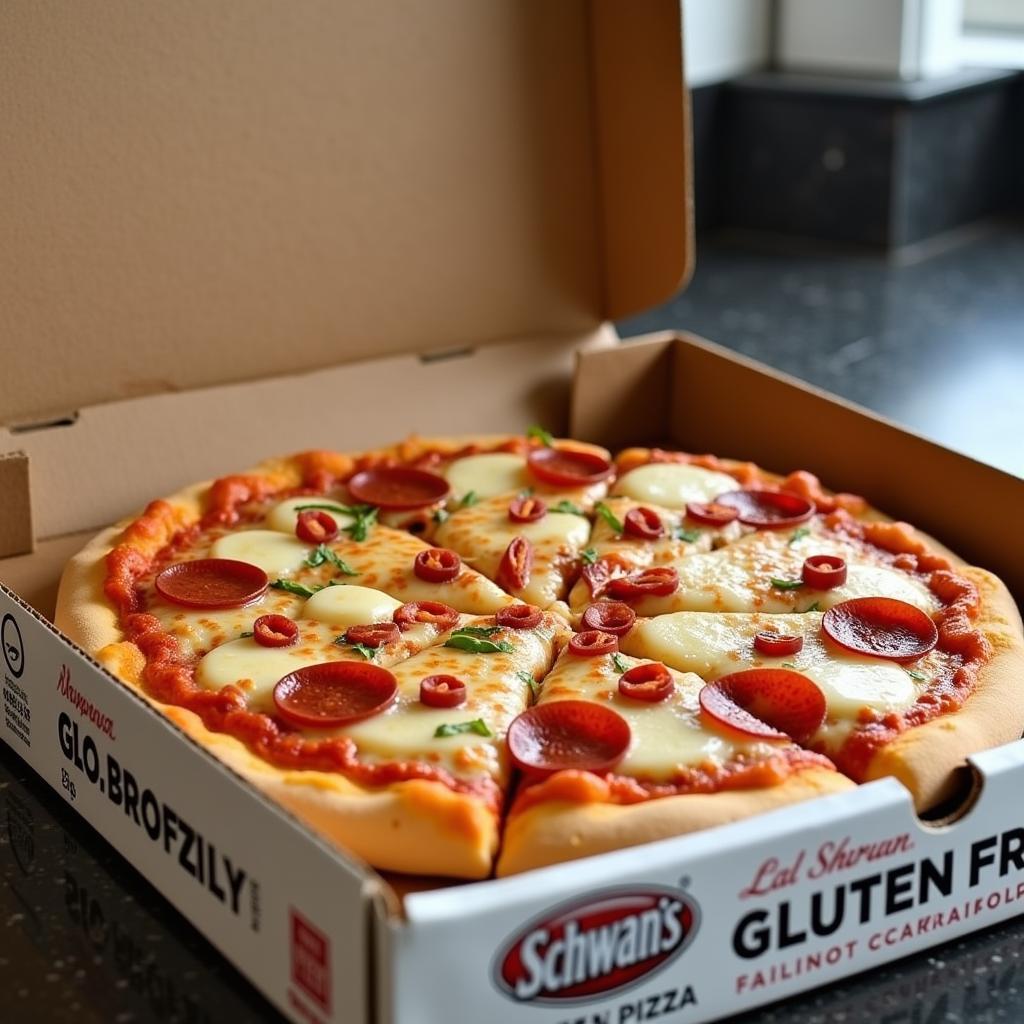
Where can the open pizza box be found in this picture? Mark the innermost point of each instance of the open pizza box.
(231, 234)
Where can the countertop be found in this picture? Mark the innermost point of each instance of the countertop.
(937, 345)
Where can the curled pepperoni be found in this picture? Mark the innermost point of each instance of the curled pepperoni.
(433, 613)
(516, 564)
(592, 643)
(275, 631)
(315, 526)
(569, 467)
(711, 513)
(568, 734)
(334, 693)
(880, 626)
(610, 617)
(644, 523)
(778, 645)
(659, 581)
(519, 616)
(823, 572)
(437, 565)
(650, 682)
(373, 634)
(769, 510)
(769, 703)
(527, 510)
(212, 583)
(398, 487)
(442, 691)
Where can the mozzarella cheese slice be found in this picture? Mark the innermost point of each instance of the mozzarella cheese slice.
(285, 514)
(274, 552)
(487, 475)
(349, 605)
(673, 484)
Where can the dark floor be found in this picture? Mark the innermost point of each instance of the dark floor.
(937, 345)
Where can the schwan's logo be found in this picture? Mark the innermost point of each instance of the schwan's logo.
(590, 947)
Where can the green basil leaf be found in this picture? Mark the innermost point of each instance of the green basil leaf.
(440, 516)
(245, 635)
(322, 553)
(798, 534)
(478, 726)
(468, 499)
(369, 653)
(813, 608)
(525, 677)
(620, 665)
(690, 536)
(294, 588)
(365, 517)
(788, 664)
(540, 434)
(477, 645)
(588, 556)
(916, 676)
(478, 630)
(344, 510)
(786, 584)
(567, 507)
(609, 516)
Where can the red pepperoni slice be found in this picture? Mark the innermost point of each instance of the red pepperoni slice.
(519, 616)
(778, 645)
(212, 583)
(442, 691)
(769, 510)
(644, 523)
(373, 634)
(711, 512)
(569, 467)
(610, 617)
(398, 487)
(334, 693)
(769, 703)
(434, 613)
(315, 526)
(823, 572)
(659, 581)
(882, 627)
(592, 643)
(275, 631)
(516, 564)
(527, 510)
(650, 682)
(568, 734)
(437, 565)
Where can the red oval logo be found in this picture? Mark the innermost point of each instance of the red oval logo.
(589, 947)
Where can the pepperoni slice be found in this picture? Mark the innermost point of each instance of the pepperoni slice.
(569, 467)
(527, 510)
(373, 634)
(659, 581)
(516, 564)
(711, 512)
(212, 583)
(398, 487)
(437, 565)
(432, 612)
(315, 526)
(769, 510)
(882, 627)
(519, 616)
(610, 617)
(275, 631)
(778, 645)
(644, 523)
(568, 734)
(334, 693)
(442, 691)
(823, 572)
(592, 643)
(650, 682)
(769, 703)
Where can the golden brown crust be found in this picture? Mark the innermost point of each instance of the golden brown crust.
(924, 758)
(549, 833)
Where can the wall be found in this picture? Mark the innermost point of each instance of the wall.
(724, 38)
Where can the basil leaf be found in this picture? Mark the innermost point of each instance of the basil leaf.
(690, 536)
(294, 588)
(469, 498)
(588, 556)
(484, 631)
(477, 645)
(525, 677)
(542, 435)
(322, 553)
(567, 507)
(814, 608)
(798, 534)
(369, 653)
(620, 665)
(478, 726)
(365, 517)
(343, 509)
(440, 516)
(786, 584)
(788, 664)
(609, 516)
(916, 676)
(247, 633)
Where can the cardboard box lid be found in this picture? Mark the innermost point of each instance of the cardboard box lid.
(200, 193)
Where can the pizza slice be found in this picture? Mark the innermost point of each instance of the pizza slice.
(619, 751)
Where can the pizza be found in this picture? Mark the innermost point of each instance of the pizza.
(457, 657)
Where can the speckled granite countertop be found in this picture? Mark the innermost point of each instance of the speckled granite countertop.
(938, 346)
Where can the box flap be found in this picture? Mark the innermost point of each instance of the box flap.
(199, 193)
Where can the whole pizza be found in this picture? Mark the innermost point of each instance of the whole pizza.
(456, 657)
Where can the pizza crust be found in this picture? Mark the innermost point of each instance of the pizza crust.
(550, 833)
(924, 758)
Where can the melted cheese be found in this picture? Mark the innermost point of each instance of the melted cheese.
(487, 475)
(275, 553)
(673, 484)
(350, 605)
(285, 514)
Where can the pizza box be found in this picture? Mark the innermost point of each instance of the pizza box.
(228, 237)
